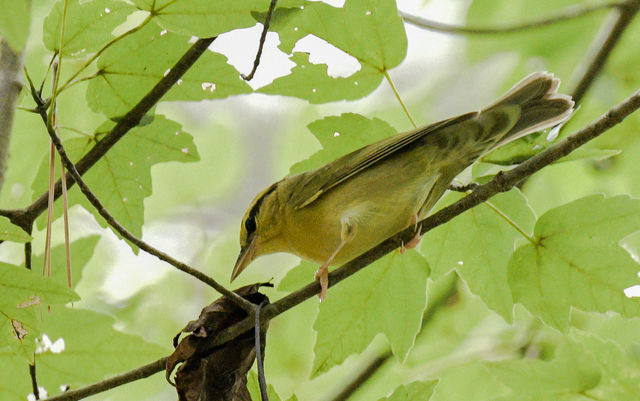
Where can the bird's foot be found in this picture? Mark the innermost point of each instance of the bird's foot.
(415, 241)
(323, 276)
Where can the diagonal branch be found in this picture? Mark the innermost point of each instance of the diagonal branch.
(93, 199)
(501, 183)
(26, 216)
(603, 46)
(568, 13)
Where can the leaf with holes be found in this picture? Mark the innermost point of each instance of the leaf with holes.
(388, 297)
(370, 31)
(122, 178)
(340, 135)
(478, 244)
(206, 18)
(88, 25)
(578, 261)
(125, 74)
(312, 82)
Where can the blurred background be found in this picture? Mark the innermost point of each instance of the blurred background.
(247, 142)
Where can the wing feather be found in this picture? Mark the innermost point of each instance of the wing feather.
(316, 183)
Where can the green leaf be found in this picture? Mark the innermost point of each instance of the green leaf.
(612, 328)
(15, 20)
(23, 288)
(371, 31)
(125, 75)
(414, 391)
(205, 18)
(81, 252)
(620, 369)
(122, 178)
(578, 260)
(93, 349)
(254, 389)
(11, 232)
(23, 293)
(299, 276)
(340, 135)
(88, 25)
(571, 373)
(478, 245)
(590, 154)
(15, 383)
(388, 297)
(311, 82)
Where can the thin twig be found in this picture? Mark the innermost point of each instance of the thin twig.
(395, 91)
(34, 380)
(500, 183)
(511, 222)
(568, 13)
(603, 45)
(259, 357)
(263, 37)
(25, 217)
(116, 381)
(93, 199)
(70, 82)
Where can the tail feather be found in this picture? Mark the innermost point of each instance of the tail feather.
(539, 104)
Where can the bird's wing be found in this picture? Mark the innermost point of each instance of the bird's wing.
(318, 182)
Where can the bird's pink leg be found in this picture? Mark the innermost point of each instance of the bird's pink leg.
(346, 234)
(415, 241)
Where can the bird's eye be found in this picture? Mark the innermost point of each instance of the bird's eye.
(250, 224)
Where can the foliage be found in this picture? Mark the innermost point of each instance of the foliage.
(519, 298)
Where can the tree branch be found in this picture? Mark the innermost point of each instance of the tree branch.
(115, 381)
(603, 46)
(570, 12)
(10, 86)
(263, 37)
(128, 121)
(93, 199)
(501, 183)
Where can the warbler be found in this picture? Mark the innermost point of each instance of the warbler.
(338, 211)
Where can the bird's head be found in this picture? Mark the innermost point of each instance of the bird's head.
(260, 232)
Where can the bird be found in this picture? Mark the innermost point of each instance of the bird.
(338, 211)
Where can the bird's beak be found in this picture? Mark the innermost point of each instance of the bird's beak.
(246, 256)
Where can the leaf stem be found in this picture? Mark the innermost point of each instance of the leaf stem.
(386, 75)
(511, 222)
(69, 82)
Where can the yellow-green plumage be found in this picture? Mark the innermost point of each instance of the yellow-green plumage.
(364, 197)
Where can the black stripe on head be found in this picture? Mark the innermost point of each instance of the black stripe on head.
(250, 223)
